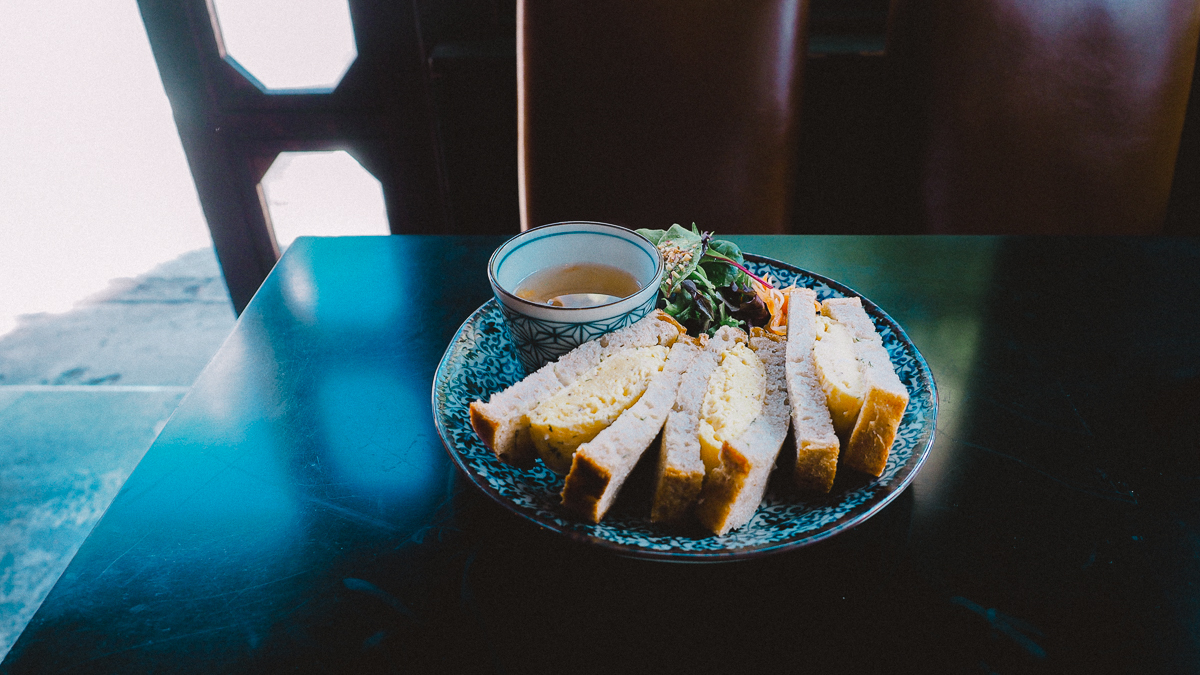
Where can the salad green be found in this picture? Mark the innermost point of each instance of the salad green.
(706, 284)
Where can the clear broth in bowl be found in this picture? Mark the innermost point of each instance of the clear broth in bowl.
(577, 285)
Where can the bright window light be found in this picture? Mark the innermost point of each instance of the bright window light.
(323, 194)
(287, 46)
(94, 184)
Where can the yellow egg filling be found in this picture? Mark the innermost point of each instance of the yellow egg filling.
(591, 403)
(840, 373)
(734, 399)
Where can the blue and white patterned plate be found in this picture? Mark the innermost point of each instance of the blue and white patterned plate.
(481, 361)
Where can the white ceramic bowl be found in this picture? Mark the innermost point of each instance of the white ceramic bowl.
(541, 332)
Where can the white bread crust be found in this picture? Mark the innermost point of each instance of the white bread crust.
(733, 491)
(680, 471)
(885, 397)
(600, 466)
(816, 443)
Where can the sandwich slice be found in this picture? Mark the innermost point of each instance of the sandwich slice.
(599, 468)
(839, 372)
(817, 445)
(680, 471)
(733, 491)
(502, 423)
(734, 398)
(882, 396)
(581, 410)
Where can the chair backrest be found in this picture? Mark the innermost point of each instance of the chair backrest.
(1049, 117)
(646, 113)
(231, 129)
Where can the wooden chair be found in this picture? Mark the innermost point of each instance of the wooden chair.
(1048, 117)
(646, 113)
(231, 130)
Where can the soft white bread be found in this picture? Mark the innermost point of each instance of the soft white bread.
(503, 423)
(733, 491)
(680, 471)
(850, 313)
(884, 395)
(599, 468)
(812, 427)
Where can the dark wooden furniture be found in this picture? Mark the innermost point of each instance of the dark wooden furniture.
(644, 114)
(1047, 117)
(299, 513)
(987, 120)
(380, 112)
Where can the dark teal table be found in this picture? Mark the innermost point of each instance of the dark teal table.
(299, 512)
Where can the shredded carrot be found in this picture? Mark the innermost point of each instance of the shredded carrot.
(776, 301)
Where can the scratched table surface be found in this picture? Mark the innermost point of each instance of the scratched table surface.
(299, 512)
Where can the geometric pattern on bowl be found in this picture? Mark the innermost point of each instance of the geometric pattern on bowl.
(538, 341)
(480, 361)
